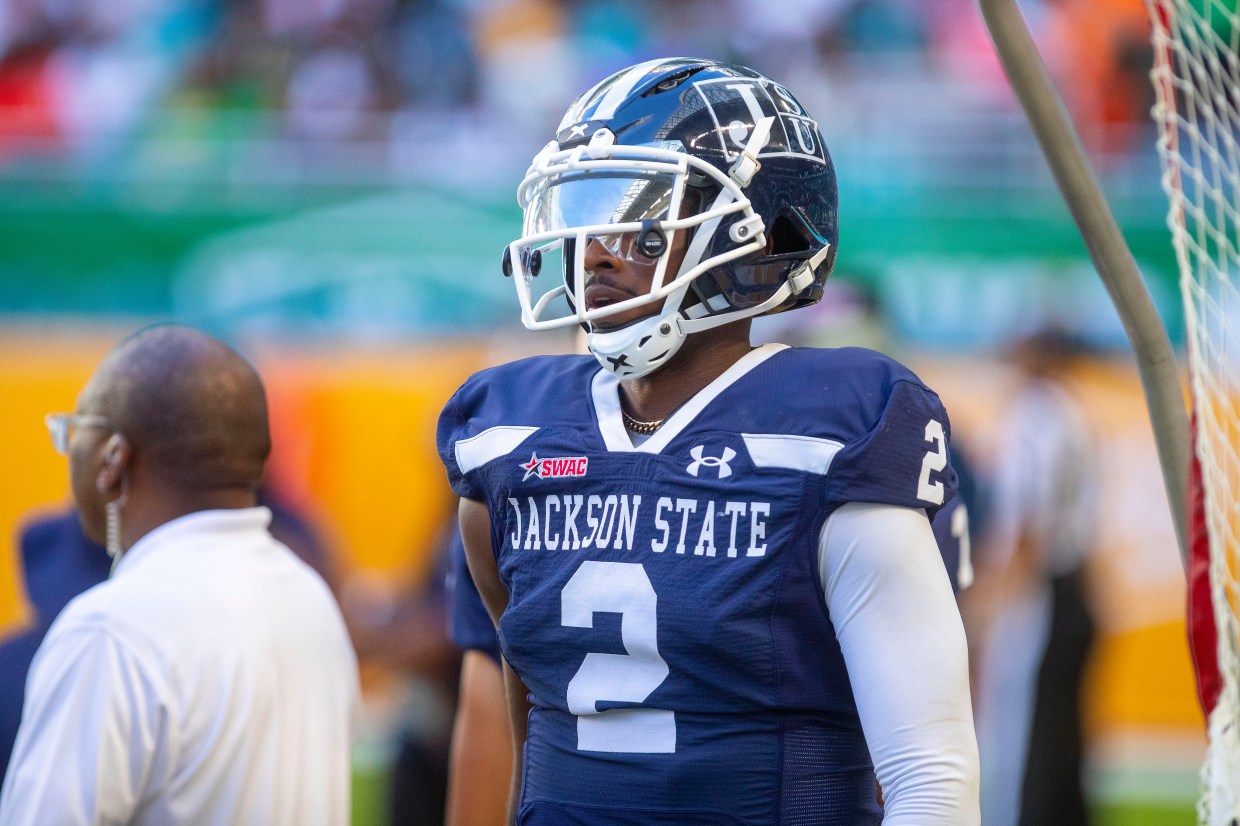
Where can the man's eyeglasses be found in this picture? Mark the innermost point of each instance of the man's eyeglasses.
(62, 425)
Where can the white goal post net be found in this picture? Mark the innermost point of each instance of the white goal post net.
(1197, 78)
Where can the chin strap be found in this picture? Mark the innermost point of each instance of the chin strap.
(747, 165)
(803, 276)
(799, 280)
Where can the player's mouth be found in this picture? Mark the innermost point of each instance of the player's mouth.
(604, 292)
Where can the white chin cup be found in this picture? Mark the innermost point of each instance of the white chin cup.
(641, 347)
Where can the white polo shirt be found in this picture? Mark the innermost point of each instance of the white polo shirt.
(209, 681)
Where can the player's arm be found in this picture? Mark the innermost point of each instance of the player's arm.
(475, 521)
(518, 718)
(481, 749)
(902, 638)
(91, 733)
(481, 746)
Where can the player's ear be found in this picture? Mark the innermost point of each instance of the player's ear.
(116, 454)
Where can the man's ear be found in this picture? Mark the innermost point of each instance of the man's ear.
(116, 455)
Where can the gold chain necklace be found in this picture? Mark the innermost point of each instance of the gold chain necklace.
(639, 427)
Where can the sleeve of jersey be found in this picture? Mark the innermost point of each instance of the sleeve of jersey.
(454, 426)
(904, 643)
(903, 460)
(469, 624)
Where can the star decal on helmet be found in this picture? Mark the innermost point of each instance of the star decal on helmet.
(578, 133)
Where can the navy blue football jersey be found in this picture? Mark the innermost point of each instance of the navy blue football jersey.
(665, 607)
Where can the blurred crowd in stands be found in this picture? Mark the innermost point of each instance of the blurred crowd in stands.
(78, 78)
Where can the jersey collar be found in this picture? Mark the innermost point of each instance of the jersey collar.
(606, 391)
(188, 530)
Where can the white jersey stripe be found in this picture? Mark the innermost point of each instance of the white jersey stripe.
(790, 452)
(491, 443)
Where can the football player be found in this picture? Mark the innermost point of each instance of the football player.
(718, 593)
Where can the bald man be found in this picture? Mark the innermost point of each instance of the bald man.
(210, 680)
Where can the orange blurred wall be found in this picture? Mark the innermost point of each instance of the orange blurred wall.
(39, 374)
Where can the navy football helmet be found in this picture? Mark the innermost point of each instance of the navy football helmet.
(715, 151)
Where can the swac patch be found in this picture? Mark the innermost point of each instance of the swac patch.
(554, 468)
(737, 103)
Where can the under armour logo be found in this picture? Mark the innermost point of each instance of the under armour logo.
(720, 462)
(579, 131)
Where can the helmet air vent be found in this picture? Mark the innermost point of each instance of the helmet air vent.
(788, 234)
(672, 81)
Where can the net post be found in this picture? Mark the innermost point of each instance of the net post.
(1079, 186)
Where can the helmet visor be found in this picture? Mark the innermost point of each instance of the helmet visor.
(575, 200)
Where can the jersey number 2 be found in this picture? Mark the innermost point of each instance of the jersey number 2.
(934, 461)
(625, 589)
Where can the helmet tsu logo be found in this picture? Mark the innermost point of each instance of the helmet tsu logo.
(720, 463)
(796, 136)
